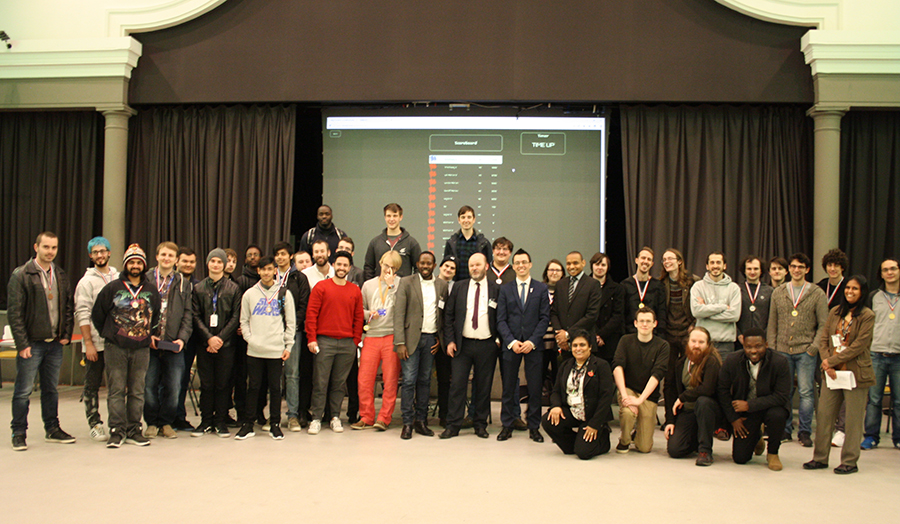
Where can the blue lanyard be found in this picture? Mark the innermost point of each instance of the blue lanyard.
(215, 297)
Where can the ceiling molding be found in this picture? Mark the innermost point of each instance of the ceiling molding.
(125, 21)
(820, 14)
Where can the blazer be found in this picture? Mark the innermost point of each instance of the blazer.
(674, 387)
(611, 318)
(856, 357)
(773, 383)
(599, 390)
(455, 310)
(582, 312)
(409, 310)
(515, 322)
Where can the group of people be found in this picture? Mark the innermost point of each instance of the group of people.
(725, 356)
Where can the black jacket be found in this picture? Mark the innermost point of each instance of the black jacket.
(483, 246)
(773, 383)
(610, 320)
(29, 317)
(655, 298)
(249, 277)
(298, 285)
(582, 312)
(123, 319)
(333, 236)
(228, 309)
(455, 310)
(675, 390)
(599, 390)
(179, 307)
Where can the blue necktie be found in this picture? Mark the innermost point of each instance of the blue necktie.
(522, 294)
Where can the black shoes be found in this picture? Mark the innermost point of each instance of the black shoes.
(230, 422)
(422, 429)
(58, 436)
(804, 439)
(202, 429)
(519, 425)
(275, 431)
(137, 439)
(18, 443)
(815, 464)
(844, 469)
(182, 425)
(535, 435)
(505, 433)
(481, 432)
(222, 430)
(406, 432)
(115, 439)
(449, 433)
(245, 432)
(704, 459)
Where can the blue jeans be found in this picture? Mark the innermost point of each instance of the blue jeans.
(162, 387)
(887, 369)
(46, 359)
(804, 365)
(415, 381)
(292, 379)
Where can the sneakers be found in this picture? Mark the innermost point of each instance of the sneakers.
(774, 462)
(276, 433)
(98, 433)
(230, 422)
(168, 431)
(622, 448)
(380, 425)
(314, 426)
(115, 440)
(722, 434)
(838, 440)
(222, 430)
(18, 443)
(58, 436)
(786, 437)
(704, 459)
(182, 425)
(803, 438)
(294, 424)
(245, 432)
(137, 439)
(336, 425)
(151, 432)
(267, 426)
(868, 443)
(361, 424)
(202, 429)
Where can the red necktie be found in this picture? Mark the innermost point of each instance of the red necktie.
(477, 297)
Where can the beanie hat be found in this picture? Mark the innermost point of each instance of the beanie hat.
(217, 253)
(135, 251)
(448, 258)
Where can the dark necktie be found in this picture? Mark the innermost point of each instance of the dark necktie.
(522, 293)
(477, 299)
(572, 283)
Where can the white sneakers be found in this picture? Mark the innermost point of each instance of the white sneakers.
(838, 440)
(336, 425)
(98, 433)
(314, 426)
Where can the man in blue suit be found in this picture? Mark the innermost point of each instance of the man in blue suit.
(523, 314)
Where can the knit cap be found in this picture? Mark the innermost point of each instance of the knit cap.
(217, 253)
(135, 251)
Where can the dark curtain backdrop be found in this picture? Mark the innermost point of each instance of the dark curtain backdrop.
(50, 175)
(706, 178)
(870, 189)
(207, 177)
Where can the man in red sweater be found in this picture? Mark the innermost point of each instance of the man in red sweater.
(334, 325)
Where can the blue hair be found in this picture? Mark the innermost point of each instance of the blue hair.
(98, 241)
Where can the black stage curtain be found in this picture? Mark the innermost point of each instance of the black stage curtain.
(870, 189)
(51, 175)
(206, 177)
(708, 178)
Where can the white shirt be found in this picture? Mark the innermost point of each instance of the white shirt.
(315, 276)
(429, 305)
(519, 283)
(484, 329)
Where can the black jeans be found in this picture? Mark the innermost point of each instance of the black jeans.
(239, 379)
(482, 355)
(443, 366)
(93, 377)
(572, 442)
(257, 369)
(189, 352)
(694, 428)
(774, 419)
(215, 383)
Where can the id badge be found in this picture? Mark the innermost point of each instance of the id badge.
(575, 399)
(492, 304)
(214, 320)
(836, 341)
(440, 304)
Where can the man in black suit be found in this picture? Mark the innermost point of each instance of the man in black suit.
(576, 303)
(523, 314)
(470, 328)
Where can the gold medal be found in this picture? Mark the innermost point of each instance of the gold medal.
(892, 316)
(50, 296)
(366, 327)
(641, 305)
(752, 308)
(794, 313)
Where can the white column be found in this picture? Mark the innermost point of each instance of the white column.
(115, 156)
(826, 183)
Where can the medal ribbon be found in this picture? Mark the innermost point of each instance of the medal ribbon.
(266, 297)
(886, 299)
(831, 295)
(44, 276)
(643, 292)
(791, 291)
(134, 295)
(498, 273)
(752, 295)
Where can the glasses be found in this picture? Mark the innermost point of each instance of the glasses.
(525, 263)
(669, 259)
(100, 252)
(798, 266)
(553, 270)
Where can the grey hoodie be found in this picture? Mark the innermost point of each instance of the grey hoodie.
(721, 308)
(85, 294)
(268, 333)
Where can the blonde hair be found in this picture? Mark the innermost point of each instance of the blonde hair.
(391, 258)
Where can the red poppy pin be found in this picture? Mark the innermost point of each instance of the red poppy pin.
(590, 373)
